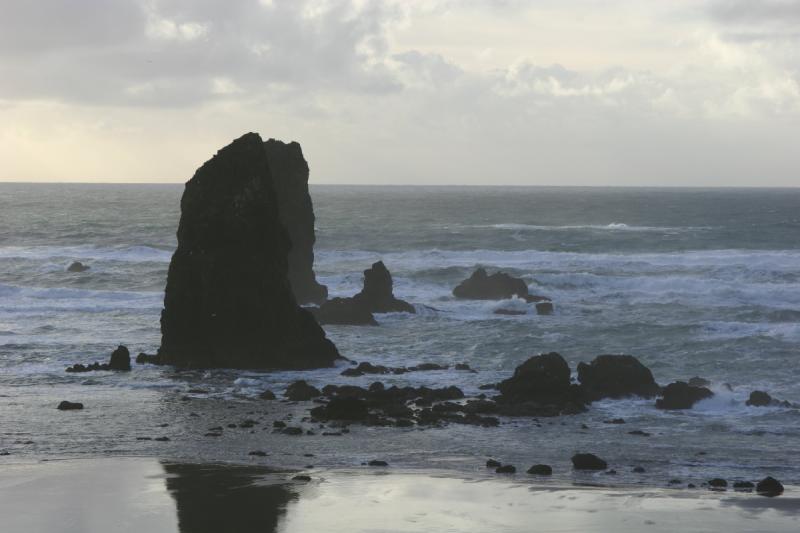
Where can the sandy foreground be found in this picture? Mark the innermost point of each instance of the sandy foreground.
(145, 494)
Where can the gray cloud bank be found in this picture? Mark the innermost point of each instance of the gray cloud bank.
(377, 101)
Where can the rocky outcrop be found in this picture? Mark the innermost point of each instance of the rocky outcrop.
(120, 361)
(377, 296)
(769, 486)
(228, 301)
(759, 399)
(77, 266)
(290, 179)
(681, 395)
(616, 376)
(498, 286)
(588, 461)
(540, 387)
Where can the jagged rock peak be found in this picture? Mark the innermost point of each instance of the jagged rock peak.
(290, 178)
(228, 301)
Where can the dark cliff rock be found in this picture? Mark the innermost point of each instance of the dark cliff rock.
(681, 395)
(228, 302)
(498, 286)
(377, 296)
(540, 387)
(289, 171)
(616, 376)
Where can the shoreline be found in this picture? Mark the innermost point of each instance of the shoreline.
(119, 494)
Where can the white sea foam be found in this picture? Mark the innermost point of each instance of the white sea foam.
(130, 254)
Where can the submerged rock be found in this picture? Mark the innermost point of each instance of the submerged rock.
(289, 171)
(498, 286)
(544, 308)
(69, 406)
(77, 266)
(300, 391)
(681, 395)
(120, 361)
(588, 461)
(342, 409)
(616, 376)
(541, 470)
(228, 301)
(540, 387)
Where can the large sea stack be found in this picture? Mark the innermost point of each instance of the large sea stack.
(290, 178)
(228, 300)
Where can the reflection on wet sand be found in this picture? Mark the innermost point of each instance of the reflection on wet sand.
(138, 494)
(217, 498)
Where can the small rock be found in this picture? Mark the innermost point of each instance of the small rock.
(588, 461)
(77, 266)
(292, 430)
(161, 439)
(639, 432)
(278, 424)
(615, 421)
(506, 469)
(759, 399)
(717, 483)
(69, 406)
(301, 477)
(258, 453)
(638, 470)
(376, 462)
(769, 486)
(541, 470)
(544, 308)
(681, 395)
(267, 395)
(491, 463)
(301, 391)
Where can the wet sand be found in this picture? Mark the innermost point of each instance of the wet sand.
(145, 494)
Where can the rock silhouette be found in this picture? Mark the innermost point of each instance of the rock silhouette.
(498, 286)
(228, 301)
(540, 387)
(616, 376)
(289, 171)
(681, 395)
(120, 361)
(377, 296)
(77, 266)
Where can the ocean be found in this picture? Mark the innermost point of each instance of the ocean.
(693, 282)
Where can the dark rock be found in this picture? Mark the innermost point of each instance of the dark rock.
(342, 409)
(498, 286)
(510, 312)
(699, 382)
(300, 391)
(463, 366)
(343, 311)
(331, 434)
(144, 358)
(639, 433)
(681, 395)
(290, 178)
(614, 421)
(376, 462)
(675, 481)
(267, 395)
(77, 266)
(506, 469)
(69, 406)
(292, 430)
(540, 387)
(717, 483)
(638, 470)
(120, 359)
(301, 477)
(544, 308)
(759, 399)
(541, 470)
(161, 439)
(258, 453)
(616, 376)
(492, 463)
(228, 301)
(769, 486)
(377, 295)
(588, 461)
(279, 424)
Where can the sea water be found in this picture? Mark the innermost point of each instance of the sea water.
(693, 282)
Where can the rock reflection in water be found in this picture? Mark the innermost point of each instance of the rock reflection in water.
(217, 498)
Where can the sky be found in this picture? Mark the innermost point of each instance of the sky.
(483, 92)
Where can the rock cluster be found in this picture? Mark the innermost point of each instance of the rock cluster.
(377, 296)
(120, 361)
(228, 300)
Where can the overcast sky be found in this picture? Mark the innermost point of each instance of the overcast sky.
(550, 92)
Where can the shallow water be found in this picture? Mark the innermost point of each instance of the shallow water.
(693, 282)
(165, 497)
